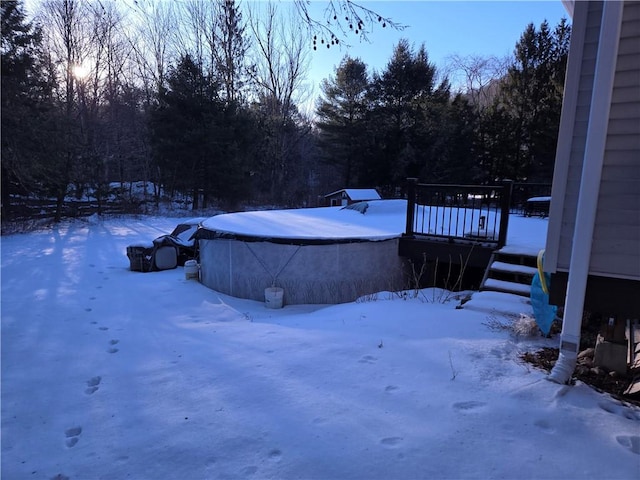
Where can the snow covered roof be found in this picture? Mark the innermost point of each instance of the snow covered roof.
(358, 194)
(384, 219)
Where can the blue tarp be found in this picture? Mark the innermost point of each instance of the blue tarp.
(543, 312)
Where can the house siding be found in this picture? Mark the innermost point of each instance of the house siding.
(579, 137)
(616, 239)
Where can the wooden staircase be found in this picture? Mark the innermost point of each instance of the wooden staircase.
(510, 273)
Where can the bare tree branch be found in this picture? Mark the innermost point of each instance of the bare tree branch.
(281, 60)
(341, 18)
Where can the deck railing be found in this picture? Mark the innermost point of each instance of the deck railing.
(465, 213)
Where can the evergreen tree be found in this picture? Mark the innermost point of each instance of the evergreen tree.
(405, 118)
(180, 128)
(531, 97)
(26, 101)
(458, 163)
(342, 120)
(231, 49)
(497, 158)
(201, 144)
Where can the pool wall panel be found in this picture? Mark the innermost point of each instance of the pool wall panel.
(334, 273)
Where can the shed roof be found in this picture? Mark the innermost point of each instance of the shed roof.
(358, 194)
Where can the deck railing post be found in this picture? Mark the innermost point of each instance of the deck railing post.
(505, 204)
(411, 204)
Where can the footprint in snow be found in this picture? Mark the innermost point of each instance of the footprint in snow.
(466, 406)
(368, 359)
(275, 455)
(391, 441)
(92, 385)
(113, 342)
(72, 435)
(632, 442)
(544, 425)
(250, 470)
(619, 409)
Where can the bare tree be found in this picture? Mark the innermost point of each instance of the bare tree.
(119, 139)
(479, 80)
(477, 76)
(281, 61)
(151, 34)
(67, 40)
(198, 32)
(92, 59)
(280, 58)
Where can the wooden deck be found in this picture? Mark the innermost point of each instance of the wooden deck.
(455, 228)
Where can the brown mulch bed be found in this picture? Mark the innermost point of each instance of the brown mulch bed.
(597, 378)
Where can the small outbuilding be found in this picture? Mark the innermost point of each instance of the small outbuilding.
(347, 196)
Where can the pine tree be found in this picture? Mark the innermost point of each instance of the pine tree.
(200, 143)
(406, 116)
(342, 120)
(458, 164)
(26, 101)
(532, 97)
(180, 127)
(231, 49)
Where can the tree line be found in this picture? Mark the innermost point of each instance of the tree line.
(406, 121)
(203, 99)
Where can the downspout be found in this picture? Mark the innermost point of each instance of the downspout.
(589, 191)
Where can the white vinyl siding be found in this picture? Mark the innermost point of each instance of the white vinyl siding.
(616, 239)
(579, 136)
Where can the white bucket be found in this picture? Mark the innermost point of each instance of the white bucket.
(273, 297)
(191, 269)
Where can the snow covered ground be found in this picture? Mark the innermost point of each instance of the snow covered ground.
(113, 374)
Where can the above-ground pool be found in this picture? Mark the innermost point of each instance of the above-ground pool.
(316, 255)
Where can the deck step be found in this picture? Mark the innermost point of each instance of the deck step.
(510, 272)
(513, 268)
(499, 303)
(507, 287)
